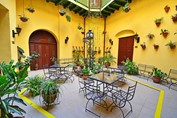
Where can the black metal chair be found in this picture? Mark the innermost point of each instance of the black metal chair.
(94, 94)
(121, 98)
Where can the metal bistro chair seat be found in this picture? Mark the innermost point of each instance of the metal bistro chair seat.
(121, 97)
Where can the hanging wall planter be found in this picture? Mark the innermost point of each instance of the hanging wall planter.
(143, 46)
(158, 21)
(23, 18)
(62, 12)
(30, 9)
(150, 36)
(156, 46)
(166, 8)
(171, 44)
(174, 18)
(164, 33)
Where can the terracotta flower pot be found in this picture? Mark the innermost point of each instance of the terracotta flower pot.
(165, 34)
(172, 47)
(156, 46)
(23, 19)
(156, 79)
(167, 8)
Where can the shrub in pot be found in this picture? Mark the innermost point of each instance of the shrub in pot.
(50, 91)
(157, 75)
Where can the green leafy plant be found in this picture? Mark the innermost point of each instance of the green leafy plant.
(150, 35)
(68, 17)
(79, 27)
(171, 44)
(86, 71)
(163, 31)
(54, 60)
(33, 84)
(131, 67)
(10, 84)
(62, 12)
(158, 73)
(109, 59)
(158, 20)
(126, 7)
(50, 91)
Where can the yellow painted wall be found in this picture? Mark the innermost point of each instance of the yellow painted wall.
(7, 24)
(46, 17)
(140, 19)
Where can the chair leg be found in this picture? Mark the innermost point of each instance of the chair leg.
(87, 110)
(131, 110)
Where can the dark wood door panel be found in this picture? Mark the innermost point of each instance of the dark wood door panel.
(125, 49)
(45, 44)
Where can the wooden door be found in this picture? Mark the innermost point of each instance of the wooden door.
(45, 44)
(125, 49)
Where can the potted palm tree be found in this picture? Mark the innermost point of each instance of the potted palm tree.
(157, 75)
(108, 59)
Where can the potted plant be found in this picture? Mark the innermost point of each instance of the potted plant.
(77, 56)
(34, 56)
(164, 32)
(33, 84)
(10, 83)
(143, 45)
(158, 21)
(54, 60)
(157, 75)
(23, 18)
(68, 17)
(174, 18)
(150, 36)
(156, 46)
(130, 67)
(62, 12)
(86, 72)
(49, 91)
(171, 44)
(30, 9)
(166, 8)
(126, 7)
(108, 59)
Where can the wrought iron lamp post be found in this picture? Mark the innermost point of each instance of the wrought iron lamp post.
(90, 48)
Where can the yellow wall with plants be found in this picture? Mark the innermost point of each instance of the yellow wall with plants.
(140, 19)
(47, 17)
(7, 24)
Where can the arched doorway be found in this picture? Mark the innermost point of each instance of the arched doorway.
(45, 44)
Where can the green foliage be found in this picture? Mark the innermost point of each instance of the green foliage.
(68, 17)
(96, 68)
(86, 71)
(109, 58)
(171, 43)
(48, 89)
(33, 84)
(158, 73)
(131, 67)
(10, 83)
(77, 56)
(158, 20)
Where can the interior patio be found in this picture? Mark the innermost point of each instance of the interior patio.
(88, 58)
